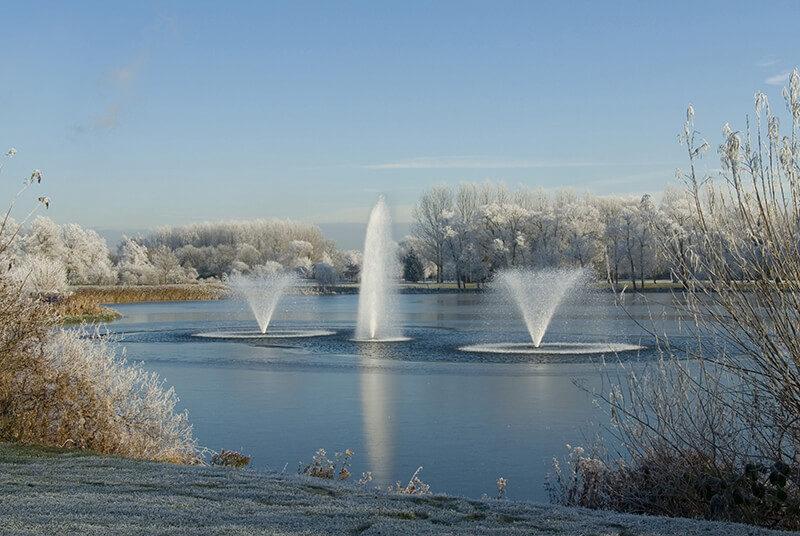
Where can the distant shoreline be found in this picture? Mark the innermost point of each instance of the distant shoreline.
(210, 291)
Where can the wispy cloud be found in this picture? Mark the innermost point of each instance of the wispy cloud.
(769, 61)
(778, 79)
(121, 80)
(107, 119)
(124, 77)
(476, 162)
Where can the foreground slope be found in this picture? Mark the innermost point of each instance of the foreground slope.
(52, 491)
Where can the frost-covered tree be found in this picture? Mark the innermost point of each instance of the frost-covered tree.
(504, 228)
(581, 234)
(83, 253)
(36, 274)
(86, 257)
(248, 255)
(675, 228)
(647, 255)
(325, 274)
(44, 239)
(432, 215)
(298, 257)
(216, 249)
(167, 268)
(348, 264)
(134, 265)
(477, 229)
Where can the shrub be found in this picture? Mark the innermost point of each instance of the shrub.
(69, 388)
(65, 389)
(712, 431)
(228, 458)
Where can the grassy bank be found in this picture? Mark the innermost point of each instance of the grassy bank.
(61, 491)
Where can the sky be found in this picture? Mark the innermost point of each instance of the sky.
(150, 113)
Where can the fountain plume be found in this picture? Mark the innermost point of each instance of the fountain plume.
(376, 296)
(262, 293)
(538, 294)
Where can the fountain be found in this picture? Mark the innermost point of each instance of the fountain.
(376, 296)
(537, 294)
(262, 293)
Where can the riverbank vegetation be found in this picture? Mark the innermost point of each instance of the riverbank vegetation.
(712, 430)
(70, 388)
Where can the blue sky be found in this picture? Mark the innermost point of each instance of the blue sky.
(150, 113)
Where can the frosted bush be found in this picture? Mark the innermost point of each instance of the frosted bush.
(711, 428)
(75, 391)
(65, 388)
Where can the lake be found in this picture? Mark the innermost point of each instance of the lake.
(468, 418)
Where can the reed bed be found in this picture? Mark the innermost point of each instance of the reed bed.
(148, 293)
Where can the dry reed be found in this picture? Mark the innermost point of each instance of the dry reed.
(711, 429)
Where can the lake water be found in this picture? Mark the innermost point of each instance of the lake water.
(468, 418)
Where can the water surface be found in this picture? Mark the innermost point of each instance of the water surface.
(467, 418)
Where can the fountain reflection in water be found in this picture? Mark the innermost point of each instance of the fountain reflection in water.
(376, 295)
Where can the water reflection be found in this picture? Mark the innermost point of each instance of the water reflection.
(468, 419)
(376, 393)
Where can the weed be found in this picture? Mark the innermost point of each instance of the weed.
(501, 487)
(322, 467)
(415, 486)
(229, 458)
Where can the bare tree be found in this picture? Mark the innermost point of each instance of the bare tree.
(431, 217)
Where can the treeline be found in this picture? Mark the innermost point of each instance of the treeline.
(47, 257)
(469, 232)
(257, 247)
(463, 234)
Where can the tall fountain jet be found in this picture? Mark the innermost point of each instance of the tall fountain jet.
(376, 294)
